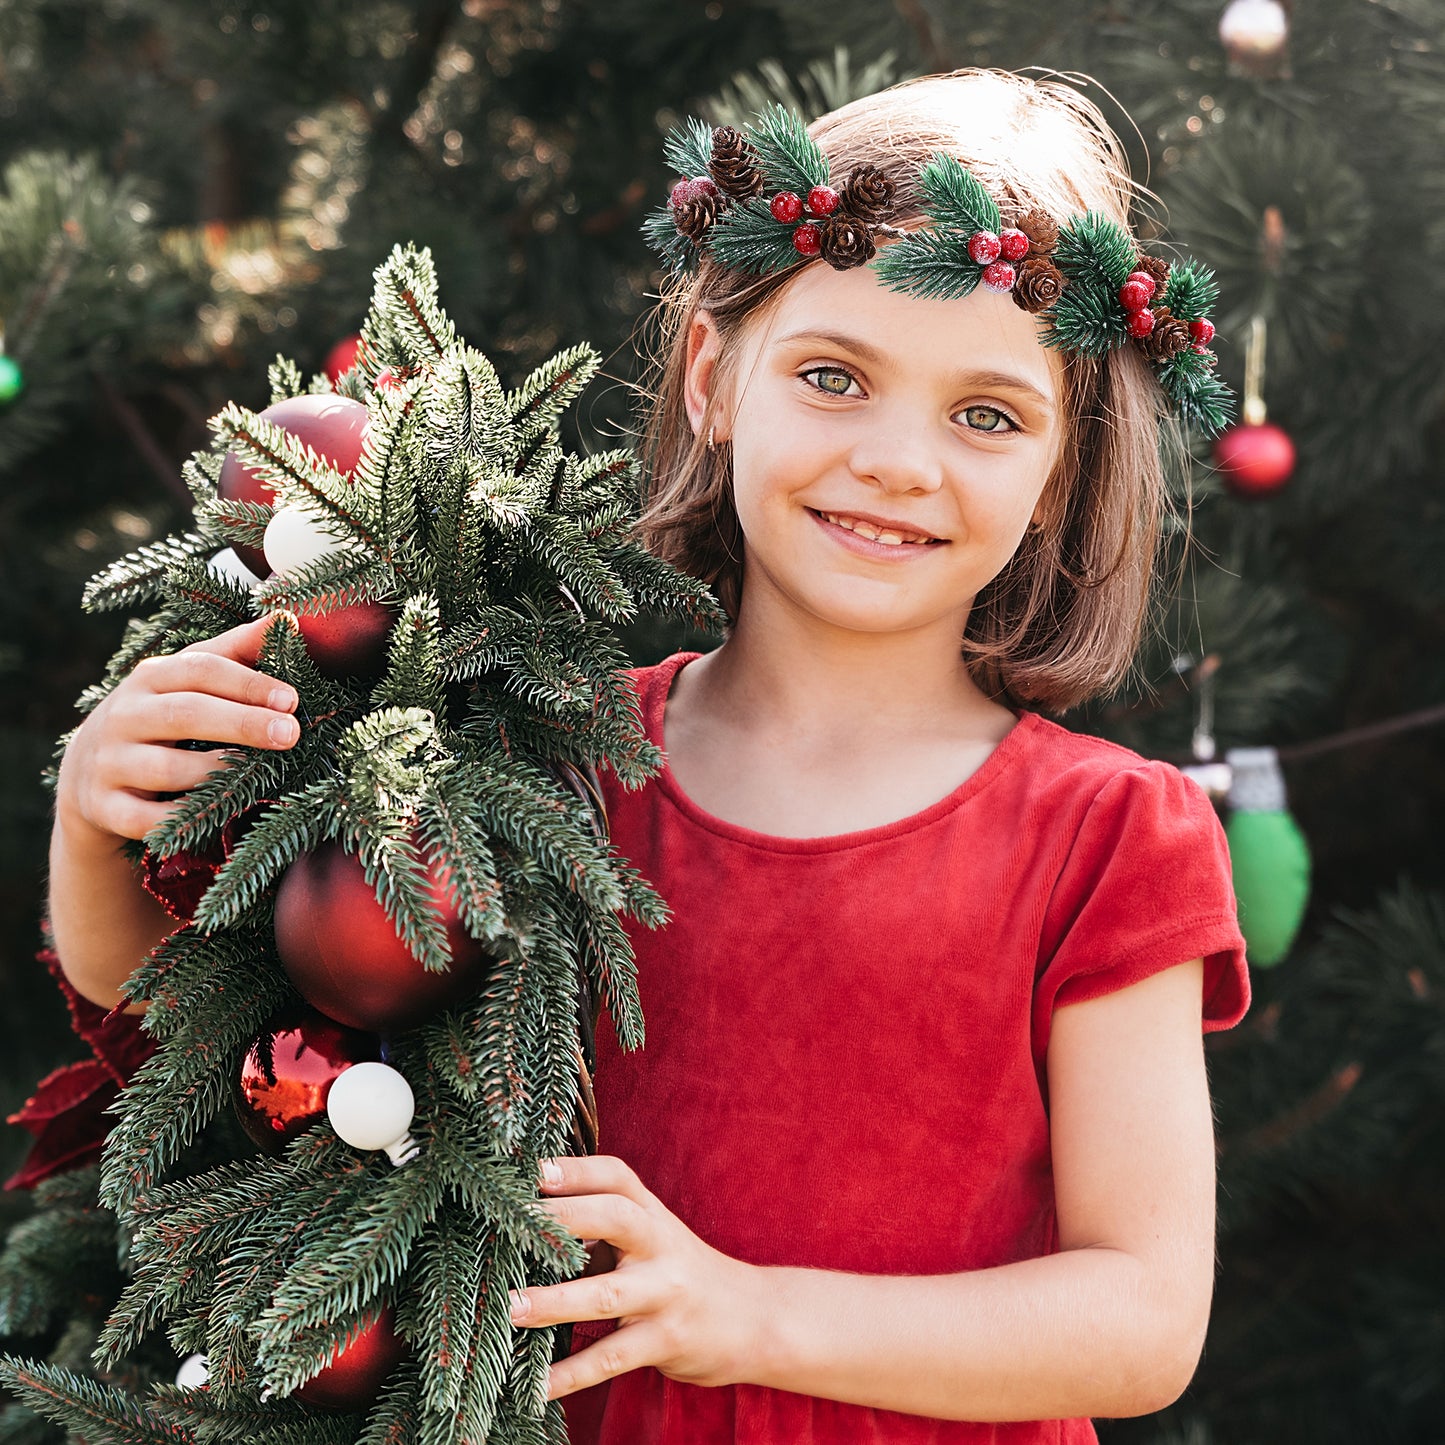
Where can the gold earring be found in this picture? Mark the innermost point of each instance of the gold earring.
(710, 443)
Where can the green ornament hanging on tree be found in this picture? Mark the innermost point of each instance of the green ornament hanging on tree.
(1269, 856)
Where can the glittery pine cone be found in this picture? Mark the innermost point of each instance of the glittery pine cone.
(846, 242)
(695, 214)
(867, 193)
(1156, 269)
(1038, 284)
(734, 164)
(1169, 336)
(1042, 231)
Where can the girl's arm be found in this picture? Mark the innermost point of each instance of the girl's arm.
(115, 764)
(1111, 1326)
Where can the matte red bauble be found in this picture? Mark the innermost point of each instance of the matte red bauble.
(1255, 460)
(288, 1071)
(358, 1370)
(332, 426)
(345, 957)
(348, 641)
(341, 358)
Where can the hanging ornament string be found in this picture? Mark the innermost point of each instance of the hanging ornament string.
(1255, 457)
(1254, 407)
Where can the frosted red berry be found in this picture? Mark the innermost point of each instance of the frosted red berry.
(1201, 332)
(704, 185)
(1141, 322)
(807, 240)
(1133, 296)
(1144, 279)
(787, 207)
(681, 194)
(983, 247)
(822, 200)
(1013, 245)
(998, 276)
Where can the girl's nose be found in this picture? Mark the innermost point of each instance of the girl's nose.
(899, 458)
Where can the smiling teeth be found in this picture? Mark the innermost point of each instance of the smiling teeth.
(875, 534)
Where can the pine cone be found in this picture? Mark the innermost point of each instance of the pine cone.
(734, 164)
(846, 242)
(1042, 231)
(1157, 269)
(1039, 283)
(867, 193)
(1170, 335)
(693, 215)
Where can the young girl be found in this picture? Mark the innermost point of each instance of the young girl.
(920, 1145)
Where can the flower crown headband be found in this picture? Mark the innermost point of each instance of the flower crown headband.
(759, 200)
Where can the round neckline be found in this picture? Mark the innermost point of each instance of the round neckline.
(654, 720)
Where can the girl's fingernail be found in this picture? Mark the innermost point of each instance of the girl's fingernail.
(282, 699)
(551, 1172)
(520, 1303)
(282, 729)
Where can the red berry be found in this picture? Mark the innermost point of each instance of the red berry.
(1141, 322)
(1133, 296)
(681, 194)
(983, 247)
(998, 276)
(704, 185)
(822, 200)
(807, 240)
(786, 207)
(1202, 332)
(1013, 244)
(1144, 279)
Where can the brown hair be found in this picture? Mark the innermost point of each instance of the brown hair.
(1062, 621)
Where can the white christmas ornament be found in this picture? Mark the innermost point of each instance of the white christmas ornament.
(227, 564)
(1254, 29)
(194, 1372)
(295, 539)
(371, 1106)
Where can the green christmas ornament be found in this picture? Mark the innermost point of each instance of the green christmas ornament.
(12, 379)
(1269, 856)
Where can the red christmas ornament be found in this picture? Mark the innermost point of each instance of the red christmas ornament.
(1013, 244)
(807, 240)
(984, 247)
(332, 426)
(822, 200)
(1255, 460)
(786, 207)
(357, 1370)
(341, 358)
(287, 1073)
(345, 957)
(998, 276)
(1141, 322)
(348, 641)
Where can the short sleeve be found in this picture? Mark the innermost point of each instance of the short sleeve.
(1146, 885)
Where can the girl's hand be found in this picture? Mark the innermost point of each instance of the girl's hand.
(125, 753)
(682, 1306)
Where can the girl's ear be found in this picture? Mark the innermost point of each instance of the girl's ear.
(703, 347)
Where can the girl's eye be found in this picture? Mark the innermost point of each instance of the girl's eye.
(837, 374)
(988, 419)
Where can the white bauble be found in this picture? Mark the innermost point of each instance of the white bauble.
(194, 1372)
(227, 564)
(1254, 29)
(295, 539)
(371, 1106)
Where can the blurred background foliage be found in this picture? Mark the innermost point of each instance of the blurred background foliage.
(189, 188)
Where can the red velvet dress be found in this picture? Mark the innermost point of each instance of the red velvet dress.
(831, 1022)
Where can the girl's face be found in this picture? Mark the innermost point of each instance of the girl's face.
(888, 452)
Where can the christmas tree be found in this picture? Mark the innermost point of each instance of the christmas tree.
(1292, 149)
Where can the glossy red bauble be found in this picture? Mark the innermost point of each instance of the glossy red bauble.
(345, 957)
(348, 641)
(341, 358)
(1255, 460)
(357, 1370)
(287, 1073)
(332, 426)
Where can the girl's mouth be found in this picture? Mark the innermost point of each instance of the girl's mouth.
(872, 533)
